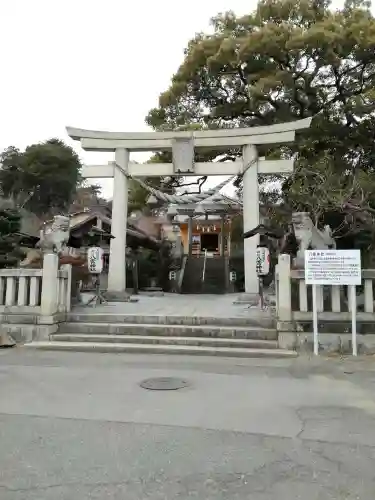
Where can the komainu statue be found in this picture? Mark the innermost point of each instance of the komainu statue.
(55, 237)
(309, 237)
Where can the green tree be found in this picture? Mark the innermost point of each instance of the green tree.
(138, 195)
(10, 224)
(43, 178)
(288, 60)
(87, 196)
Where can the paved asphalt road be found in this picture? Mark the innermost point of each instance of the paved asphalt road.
(78, 426)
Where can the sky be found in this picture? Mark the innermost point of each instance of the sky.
(92, 64)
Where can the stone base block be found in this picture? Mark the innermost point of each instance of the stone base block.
(152, 292)
(6, 340)
(119, 297)
(328, 342)
(247, 298)
(19, 319)
(287, 340)
(51, 320)
(23, 333)
(253, 299)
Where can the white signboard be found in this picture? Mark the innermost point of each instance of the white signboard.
(333, 267)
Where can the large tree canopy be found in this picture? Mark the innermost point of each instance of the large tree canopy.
(285, 61)
(10, 225)
(43, 178)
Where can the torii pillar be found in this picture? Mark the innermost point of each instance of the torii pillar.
(117, 249)
(250, 200)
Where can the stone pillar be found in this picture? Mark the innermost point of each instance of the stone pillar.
(117, 251)
(284, 291)
(49, 299)
(288, 338)
(190, 235)
(250, 216)
(68, 269)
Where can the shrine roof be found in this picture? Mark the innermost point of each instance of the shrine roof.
(80, 219)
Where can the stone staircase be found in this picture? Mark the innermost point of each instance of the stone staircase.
(192, 279)
(97, 332)
(214, 281)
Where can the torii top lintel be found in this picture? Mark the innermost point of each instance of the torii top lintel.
(94, 140)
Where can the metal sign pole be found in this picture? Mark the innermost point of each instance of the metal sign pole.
(353, 308)
(315, 320)
(261, 292)
(98, 297)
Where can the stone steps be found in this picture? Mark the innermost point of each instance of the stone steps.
(169, 330)
(165, 340)
(251, 320)
(84, 331)
(215, 279)
(116, 347)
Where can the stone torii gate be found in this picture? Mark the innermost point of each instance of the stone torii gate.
(182, 145)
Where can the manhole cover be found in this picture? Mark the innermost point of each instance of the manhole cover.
(164, 384)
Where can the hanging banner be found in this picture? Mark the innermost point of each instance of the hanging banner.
(95, 260)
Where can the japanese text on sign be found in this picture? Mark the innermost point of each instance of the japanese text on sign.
(333, 267)
(262, 261)
(95, 260)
